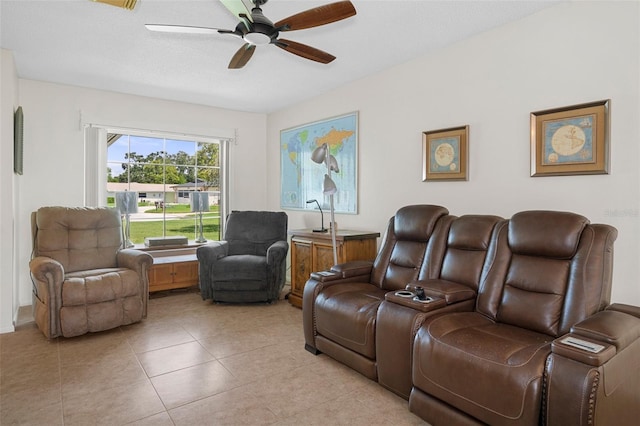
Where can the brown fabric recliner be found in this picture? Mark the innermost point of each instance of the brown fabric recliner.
(83, 281)
(549, 272)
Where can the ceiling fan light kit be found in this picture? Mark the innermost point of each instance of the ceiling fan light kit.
(255, 29)
(257, 39)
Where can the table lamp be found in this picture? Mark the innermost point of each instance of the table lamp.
(126, 204)
(199, 203)
(322, 228)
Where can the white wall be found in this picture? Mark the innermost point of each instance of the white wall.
(8, 104)
(54, 153)
(569, 54)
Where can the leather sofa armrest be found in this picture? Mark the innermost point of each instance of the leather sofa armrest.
(360, 269)
(354, 268)
(613, 327)
(599, 338)
(349, 272)
(450, 291)
(579, 350)
(401, 298)
(276, 252)
(627, 309)
(325, 276)
(586, 388)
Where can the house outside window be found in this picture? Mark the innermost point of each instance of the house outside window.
(164, 171)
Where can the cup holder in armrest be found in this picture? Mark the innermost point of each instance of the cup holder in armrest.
(410, 300)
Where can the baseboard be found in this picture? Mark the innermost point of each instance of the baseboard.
(9, 329)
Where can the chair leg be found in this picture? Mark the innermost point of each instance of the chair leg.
(311, 349)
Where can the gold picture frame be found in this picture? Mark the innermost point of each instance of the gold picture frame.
(572, 140)
(445, 154)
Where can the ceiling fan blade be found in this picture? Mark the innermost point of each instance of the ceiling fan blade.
(242, 56)
(183, 29)
(237, 9)
(125, 4)
(305, 51)
(315, 17)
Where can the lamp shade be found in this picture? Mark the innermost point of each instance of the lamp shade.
(333, 164)
(127, 202)
(320, 153)
(199, 201)
(329, 187)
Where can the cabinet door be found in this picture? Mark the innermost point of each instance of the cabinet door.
(185, 272)
(323, 255)
(161, 275)
(301, 265)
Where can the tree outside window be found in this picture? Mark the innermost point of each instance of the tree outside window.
(164, 172)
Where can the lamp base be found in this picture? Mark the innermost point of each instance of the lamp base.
(320, 230)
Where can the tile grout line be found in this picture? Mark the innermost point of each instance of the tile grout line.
(148, 379)
(60, 381)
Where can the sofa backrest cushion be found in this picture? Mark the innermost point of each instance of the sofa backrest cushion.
(467, 245)
(79, 238)
(412, 247)
(549, 271)
(546, 233)
(253, 232)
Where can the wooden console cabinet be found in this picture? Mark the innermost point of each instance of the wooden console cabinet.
(171, 272)
(313, 251)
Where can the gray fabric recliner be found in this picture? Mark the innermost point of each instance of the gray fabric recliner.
(249, 264)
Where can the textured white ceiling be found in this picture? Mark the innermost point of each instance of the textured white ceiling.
(82, 43)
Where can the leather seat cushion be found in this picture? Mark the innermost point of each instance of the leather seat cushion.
(99, 285)
(346, 315)
(459, 356)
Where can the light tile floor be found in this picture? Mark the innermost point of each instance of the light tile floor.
(189, 363)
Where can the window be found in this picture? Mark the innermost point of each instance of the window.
(164, 171)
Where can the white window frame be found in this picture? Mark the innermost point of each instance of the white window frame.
(95, 166)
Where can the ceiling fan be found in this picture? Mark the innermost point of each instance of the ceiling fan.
(257, 30)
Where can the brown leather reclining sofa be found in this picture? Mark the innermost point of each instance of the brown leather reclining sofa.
(517, 325)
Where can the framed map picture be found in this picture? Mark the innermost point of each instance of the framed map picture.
(444, 154)
(572, 140)
(301, 179)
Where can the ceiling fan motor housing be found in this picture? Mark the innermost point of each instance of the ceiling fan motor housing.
(261, 29)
